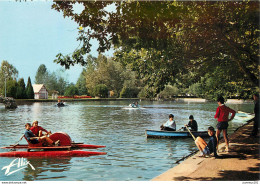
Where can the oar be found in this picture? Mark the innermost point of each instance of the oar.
(19, 140)
(190, 133)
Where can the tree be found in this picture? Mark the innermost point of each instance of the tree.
(7, 72)
(169, 92)
(81, 83)
(192, 36)
(128, 92)
(11, 88)
(42, 75)
(71, 90)
(101, 90)
(29, 89)
(21, 91)
(55, 81)
(105, 71)
(221, 33)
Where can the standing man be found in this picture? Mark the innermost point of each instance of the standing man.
(222, 115)
(256, 111)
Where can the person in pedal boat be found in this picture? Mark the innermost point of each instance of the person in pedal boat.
(34, 139)
(37, 130)
(170, 125)
(192, 124)
(211, 147)
(60, 103)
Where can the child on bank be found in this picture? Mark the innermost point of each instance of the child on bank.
(222, 115)
(211, 147)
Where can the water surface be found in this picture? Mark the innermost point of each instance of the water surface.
(130, 155)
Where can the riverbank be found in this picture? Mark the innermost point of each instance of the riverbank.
(200, 100)
(20, 101)
(241, 163)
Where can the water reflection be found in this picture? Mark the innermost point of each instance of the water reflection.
(47, 168)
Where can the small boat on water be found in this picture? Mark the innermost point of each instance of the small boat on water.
(174, 134)
(60, 105)
(67, 148)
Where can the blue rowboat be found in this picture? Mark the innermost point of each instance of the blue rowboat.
(173, 134)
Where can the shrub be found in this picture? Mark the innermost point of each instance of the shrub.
(128, 92)
(101, 90)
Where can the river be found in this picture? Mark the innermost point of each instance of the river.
(130, 155)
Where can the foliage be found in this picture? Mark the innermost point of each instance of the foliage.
(101, 90)
(164, 41)
(169, 92)
(128, 92)
(54, 81)
(7, 72)
(42, 74)
(21, 92)
(29, 89)
(105, 71)
(11, 88)
(71, 90)
(81, 83)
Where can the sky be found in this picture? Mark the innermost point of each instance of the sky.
(31, 34)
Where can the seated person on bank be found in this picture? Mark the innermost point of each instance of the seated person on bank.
(211, 147)
(37, 130)
(192, 124)
(34, 139)
(170, 125)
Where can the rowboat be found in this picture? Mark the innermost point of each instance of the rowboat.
(174, 134)
(67, 148)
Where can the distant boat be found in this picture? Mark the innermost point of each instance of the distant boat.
(173, 134)
(60, 104)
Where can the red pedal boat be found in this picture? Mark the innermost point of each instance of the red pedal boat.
(67, 148)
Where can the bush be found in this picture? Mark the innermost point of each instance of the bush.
(101, 90)
(169, 92)
(128, 92)
(147, 92)
(71, 91)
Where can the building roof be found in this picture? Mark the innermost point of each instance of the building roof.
(38, 87)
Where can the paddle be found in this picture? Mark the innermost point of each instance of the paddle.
(190, 133)
(19, 140)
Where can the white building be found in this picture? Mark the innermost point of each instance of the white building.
(40, 91)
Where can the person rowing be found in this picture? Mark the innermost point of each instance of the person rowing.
(34, 139)
(192, 124)
(170, 125)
